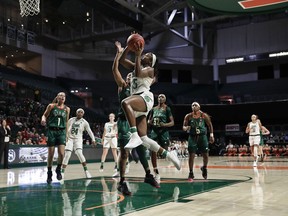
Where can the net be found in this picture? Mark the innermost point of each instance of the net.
(29, 7)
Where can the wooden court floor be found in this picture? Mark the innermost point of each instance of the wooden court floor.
(233, 187)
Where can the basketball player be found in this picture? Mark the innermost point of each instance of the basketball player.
(56, 117)
(160, 119)
(109, 140)
(263, 132)
(253, 129)
(123, 129)
(137, 106)
(195, 123)
(76, 126)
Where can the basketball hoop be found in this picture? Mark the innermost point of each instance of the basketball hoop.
(29, 7)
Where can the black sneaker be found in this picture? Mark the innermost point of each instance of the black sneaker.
(149, 179)
(49, 177)
(122, 187)
(204, 172)
(190, 176)
(58, 174)
(101, 168)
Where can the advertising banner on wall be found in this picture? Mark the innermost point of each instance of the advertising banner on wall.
(232, 127)
(11, 32)
(30, 155)
(21, 35)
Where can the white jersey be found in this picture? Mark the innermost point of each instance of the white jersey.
(139, 84)
(110, 129)
(254, 128)
(76, 127)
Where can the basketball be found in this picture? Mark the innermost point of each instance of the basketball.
(135, 41)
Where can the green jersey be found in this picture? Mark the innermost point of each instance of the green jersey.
(197, 125)
(57, 117)
(160, 114)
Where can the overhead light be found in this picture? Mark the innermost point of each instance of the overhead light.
(272, 55)
(233, 60)
(87, 14)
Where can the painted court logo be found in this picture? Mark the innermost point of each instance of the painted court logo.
(240, 6)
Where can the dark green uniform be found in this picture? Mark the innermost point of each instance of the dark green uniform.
(124, 129)
(160, 134)
(122, 123)
(261, 139)
(197, 135)
(56, 123)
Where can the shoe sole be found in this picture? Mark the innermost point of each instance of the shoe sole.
(176, 163)
(130, 146)
(204, 176)
(59, 177)
(155, 186)
(190, 180)
(124, 193)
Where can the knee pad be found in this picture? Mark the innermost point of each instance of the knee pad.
(80, 155)
(67, 156)
(150, 144)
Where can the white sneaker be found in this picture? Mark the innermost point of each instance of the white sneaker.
(127, 168)
(101, 169)
(88, 175)
(134, 141)
(254, 164)
(116, 174)
(174, 159)
(157, 178)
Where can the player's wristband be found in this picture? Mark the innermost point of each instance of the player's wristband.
(211, 135)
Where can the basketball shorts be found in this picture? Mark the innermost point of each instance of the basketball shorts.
(198, 143)
(110, 142)
(56, 137)
(254, 140)
(149, 101)
(73, 144)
